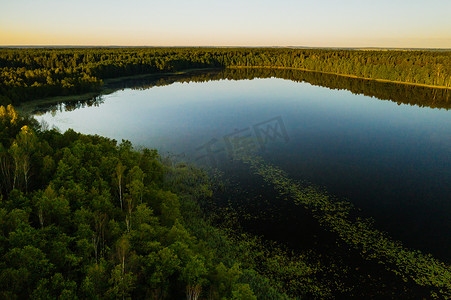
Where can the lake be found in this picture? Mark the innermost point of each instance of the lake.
(384, 147)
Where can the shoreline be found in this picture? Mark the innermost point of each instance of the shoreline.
(343, 75)
(119, 79)
(27, 107)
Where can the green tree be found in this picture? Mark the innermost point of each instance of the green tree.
(122, 283)
(170, 208)
(21, 150)
(193, 274)
(243, 292)
(119, 173)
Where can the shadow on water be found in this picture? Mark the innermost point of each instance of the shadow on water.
(399, 93)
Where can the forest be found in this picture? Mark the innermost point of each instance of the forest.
(87, 217)
(27, 74)
(84, 217)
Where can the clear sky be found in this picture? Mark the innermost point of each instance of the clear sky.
(321, 23)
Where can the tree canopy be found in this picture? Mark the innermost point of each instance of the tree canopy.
(27, 74)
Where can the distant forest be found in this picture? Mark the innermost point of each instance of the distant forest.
(27, 74)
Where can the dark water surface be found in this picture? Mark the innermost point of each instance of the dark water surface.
(392, 159)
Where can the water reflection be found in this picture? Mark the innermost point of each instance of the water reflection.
(392, 161)
(400, 93)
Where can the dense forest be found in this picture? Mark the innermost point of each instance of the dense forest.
(84, 216)
(28, 74)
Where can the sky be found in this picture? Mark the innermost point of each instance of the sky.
(308, 23)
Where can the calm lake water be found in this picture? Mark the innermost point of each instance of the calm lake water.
(391, 159)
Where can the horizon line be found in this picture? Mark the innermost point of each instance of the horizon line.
(209, 46)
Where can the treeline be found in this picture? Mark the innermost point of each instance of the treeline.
(27, 74)
(37, 73)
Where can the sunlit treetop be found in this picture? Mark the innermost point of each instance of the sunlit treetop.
(8, 114)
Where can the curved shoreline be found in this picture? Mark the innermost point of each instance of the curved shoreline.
(106, 89)
(26, 107)
(344, 75)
